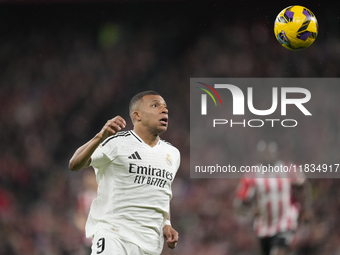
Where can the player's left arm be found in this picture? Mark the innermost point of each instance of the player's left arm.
(170, 234)
(244, 199)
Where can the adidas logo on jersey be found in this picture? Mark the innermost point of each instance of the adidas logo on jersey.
(135, 155)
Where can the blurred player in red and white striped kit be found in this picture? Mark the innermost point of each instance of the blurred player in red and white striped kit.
(278, 201)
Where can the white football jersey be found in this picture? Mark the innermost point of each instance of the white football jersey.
(134, 189)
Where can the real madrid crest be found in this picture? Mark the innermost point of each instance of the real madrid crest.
(168, 160)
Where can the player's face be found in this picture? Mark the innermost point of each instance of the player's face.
(154, 113)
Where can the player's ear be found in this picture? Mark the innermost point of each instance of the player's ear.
(136, 115)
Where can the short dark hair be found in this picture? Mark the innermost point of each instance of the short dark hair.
(138, 97)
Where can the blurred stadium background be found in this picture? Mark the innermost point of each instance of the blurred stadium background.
(66, 67)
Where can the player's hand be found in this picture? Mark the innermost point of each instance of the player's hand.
(112, 126)
(171, 236)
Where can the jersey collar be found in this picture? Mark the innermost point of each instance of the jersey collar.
(141, 140)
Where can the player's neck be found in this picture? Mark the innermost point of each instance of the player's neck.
(148, 138)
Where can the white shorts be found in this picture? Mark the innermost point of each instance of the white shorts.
(105, 242)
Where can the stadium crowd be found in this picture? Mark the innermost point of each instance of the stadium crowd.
(59, 84)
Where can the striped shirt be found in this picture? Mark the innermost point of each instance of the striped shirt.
(276, 210)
